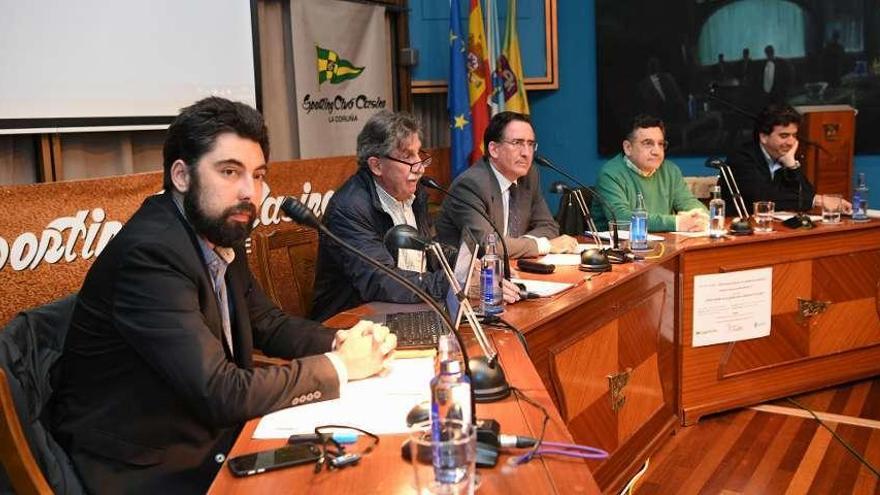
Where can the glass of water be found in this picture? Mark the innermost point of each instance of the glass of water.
(764, 216)
(831, 206)
(443, 457)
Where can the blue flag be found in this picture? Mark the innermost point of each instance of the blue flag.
(458, 100)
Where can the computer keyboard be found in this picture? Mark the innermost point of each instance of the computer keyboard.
(415, 330)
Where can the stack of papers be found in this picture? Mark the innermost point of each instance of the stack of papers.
(378, 404)
(543, 288)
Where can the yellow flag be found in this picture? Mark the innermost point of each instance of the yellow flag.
(510, 66)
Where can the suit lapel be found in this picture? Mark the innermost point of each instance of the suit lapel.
(242, 336)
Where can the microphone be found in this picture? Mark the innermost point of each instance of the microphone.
(487, 376)
(593, 260)
(302, 215)
(739, 225)
(801, 220)
(431, 183)
(560, 187)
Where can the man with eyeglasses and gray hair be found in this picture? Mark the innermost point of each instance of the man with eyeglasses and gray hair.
(506, 187)
(383, 193)
(643, 168)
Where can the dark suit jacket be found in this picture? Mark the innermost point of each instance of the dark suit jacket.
(342, 280)
(478, 186)
(752, 175)
(147, 400)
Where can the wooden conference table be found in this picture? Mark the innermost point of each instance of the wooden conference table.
(384, 471)
(615, 355)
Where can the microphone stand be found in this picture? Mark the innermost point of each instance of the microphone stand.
(614, 251)
(801, 220)
(730, 181)
(431, 183)
(487, 376)
(302, 215)
(561, 188)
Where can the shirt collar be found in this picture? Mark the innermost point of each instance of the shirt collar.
(632, 166)
(390, 201)
(767, 157)
(211, 252)
(503, 181)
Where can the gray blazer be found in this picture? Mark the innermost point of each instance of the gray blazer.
(478, 186)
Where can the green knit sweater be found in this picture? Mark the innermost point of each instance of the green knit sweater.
(665, 194)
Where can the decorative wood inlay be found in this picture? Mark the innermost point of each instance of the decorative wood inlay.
(808, 308)
(616, 383)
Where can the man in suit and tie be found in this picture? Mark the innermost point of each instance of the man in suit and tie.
(156, 378)
(766, 167)
(506, 187)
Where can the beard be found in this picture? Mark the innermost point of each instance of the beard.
(219, 230)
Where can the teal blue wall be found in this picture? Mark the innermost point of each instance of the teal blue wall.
(565, 119)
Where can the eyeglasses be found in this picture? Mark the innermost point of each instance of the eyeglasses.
(425, 160)
(521, 143)
(650, 143)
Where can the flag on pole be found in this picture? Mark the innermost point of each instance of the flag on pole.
(479, 84)
(457, 102)
(496, 99)
(510, 66)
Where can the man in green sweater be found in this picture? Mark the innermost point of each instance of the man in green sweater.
(642, 167)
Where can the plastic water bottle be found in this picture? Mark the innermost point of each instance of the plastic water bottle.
(716, 214)
(451, 393)
(490, 279)
(638, 228)
(860, 200)
(450, 399)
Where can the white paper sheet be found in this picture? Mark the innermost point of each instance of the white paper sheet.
(378, 404)
(734, 306)
(624, 234)
(542, 288)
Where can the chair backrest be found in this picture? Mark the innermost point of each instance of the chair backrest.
(22, 470)
(286, 261)
(32, 460)
(569, 216)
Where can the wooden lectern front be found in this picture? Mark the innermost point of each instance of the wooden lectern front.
(828, 162)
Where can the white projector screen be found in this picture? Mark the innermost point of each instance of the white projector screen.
(66, 65)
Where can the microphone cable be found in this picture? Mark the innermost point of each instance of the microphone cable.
(541, 447)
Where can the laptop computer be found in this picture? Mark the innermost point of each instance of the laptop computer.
(422, 329)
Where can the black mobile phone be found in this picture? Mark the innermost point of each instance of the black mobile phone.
(267, 460)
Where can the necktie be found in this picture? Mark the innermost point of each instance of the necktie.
(218, 272)
(513, 211)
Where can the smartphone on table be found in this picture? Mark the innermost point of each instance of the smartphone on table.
(267, 460)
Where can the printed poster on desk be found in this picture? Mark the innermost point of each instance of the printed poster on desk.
(342, 70)
(734, 306)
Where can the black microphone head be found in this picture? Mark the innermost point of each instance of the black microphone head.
(559, 187)
(714, 162)
(299, 212)
(404, 236)
(430, 183)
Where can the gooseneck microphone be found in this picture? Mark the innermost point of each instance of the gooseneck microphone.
(302, 215)
(614, 251)
(431, 183)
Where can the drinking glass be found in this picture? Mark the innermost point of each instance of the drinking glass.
(831, 206)
(764, 216)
